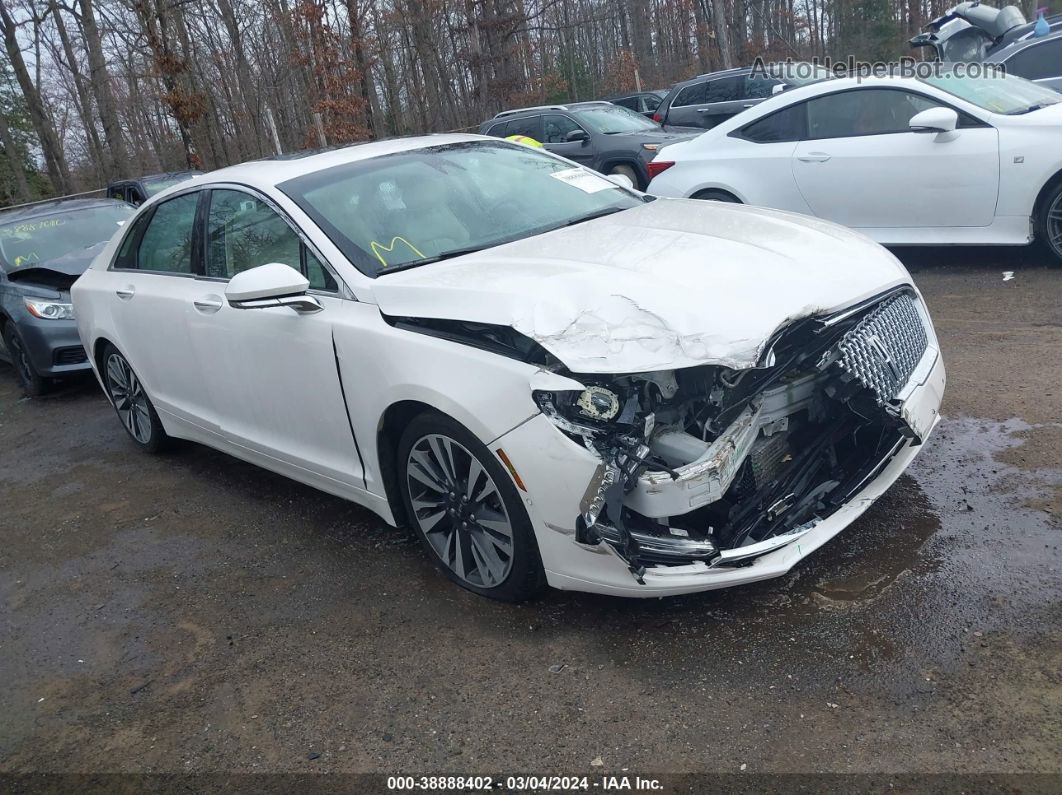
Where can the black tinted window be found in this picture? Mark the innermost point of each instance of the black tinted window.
(758, 86)
(690, 95)
(497, 130)
(627, 102)
(784, 125)
(530, 126)
(167, 242)
(1038, 61)
(864, 112)
(557, 127)
(724, 89)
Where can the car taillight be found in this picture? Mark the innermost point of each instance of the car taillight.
(658, 166)
(658, 118)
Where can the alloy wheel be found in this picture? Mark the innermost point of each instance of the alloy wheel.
(460, 511)
(129, 398)
(1054, 225)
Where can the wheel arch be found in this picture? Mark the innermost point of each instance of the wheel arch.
(1045, 191)
(393, 421)
(610, 161)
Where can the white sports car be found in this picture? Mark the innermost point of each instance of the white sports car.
(940, 160)
(552, 378)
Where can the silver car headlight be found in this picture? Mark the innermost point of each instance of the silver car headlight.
(49, 310)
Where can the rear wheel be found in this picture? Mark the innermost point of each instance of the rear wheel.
(131, 402)
(467, 511)
(1049, 223)
(717, 196)
(32, 382)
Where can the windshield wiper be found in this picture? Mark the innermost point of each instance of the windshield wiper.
(457, 252)
(592, 216)
(1031, 108)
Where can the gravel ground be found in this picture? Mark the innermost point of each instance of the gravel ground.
(192, 613)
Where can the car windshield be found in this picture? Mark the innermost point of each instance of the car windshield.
(153, 185)
(613, 119)
(33, 241)
(412, 208)
(999, 94)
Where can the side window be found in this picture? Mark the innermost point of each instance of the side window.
(690, 95)
(244, 232)
(556, 129)
(531, 126)
(783, 125)
(1037, 62)
(758, 86)
(864, 112)
(650, 103)
(497, 130)
(626, 102)
(167, 242)
(724, 89)
(117, 192)
(127, 252)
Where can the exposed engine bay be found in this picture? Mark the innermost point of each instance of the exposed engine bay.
(717, 465)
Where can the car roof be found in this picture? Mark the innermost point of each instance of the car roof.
(1024, 40)
(191, 172)
(509, 114)
(53, 207)
(269, 173)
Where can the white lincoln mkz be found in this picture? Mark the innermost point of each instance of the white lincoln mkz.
(552, 378)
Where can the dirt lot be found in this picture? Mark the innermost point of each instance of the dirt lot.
(193, 613)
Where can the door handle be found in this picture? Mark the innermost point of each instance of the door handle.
(209, 304)
(813, 157)
(749, 105)
(703, 110)
(125, 293)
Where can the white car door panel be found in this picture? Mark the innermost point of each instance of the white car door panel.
(901, 180)
(271, 371)
(862, 166)
(152, 306)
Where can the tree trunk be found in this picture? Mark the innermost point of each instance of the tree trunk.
(101, 86)
(54, 160)
(14, 159)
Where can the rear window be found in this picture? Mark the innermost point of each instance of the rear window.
(690, 95)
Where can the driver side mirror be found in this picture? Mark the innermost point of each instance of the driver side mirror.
(778, 88)
(934, 120)
(577, 135)
(271, 285)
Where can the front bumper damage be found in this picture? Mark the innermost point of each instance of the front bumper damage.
(752, 478)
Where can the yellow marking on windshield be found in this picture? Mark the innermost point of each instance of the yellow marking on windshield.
(378, 247)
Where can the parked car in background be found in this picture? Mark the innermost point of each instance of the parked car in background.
(43, 249)
(706, 100)
(942, 160)
(551, 378)
(643, 102)
(599, 135)
(975, 32)
(138, 190)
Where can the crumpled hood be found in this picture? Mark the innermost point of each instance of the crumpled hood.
(72, 264)
(674, 283)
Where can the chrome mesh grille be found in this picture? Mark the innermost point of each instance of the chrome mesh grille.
(884, 348)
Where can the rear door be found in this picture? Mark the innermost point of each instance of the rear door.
(152, 303)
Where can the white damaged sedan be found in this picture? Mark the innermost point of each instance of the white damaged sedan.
(552, 378)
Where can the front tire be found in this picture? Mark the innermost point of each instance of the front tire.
(32, 382)
(131, 403)
(1049, 223)
(467, 511)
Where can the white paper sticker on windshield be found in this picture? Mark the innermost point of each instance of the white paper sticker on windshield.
(583, 180)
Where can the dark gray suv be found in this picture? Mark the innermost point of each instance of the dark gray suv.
(43, 249)
(602, 136)
(708, 99)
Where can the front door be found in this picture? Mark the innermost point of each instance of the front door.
(272, 373)
(555, 130)
(863, 167)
